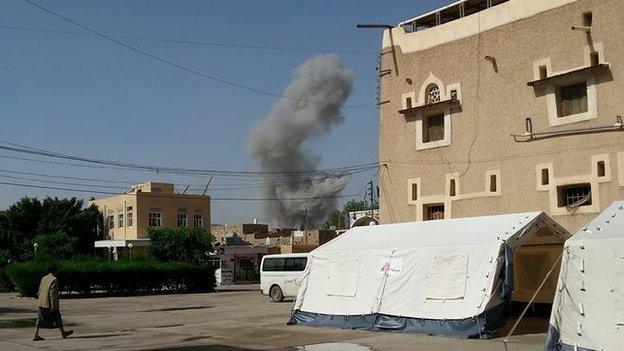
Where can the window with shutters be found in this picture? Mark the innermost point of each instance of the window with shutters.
(572, 99)
(433, 128)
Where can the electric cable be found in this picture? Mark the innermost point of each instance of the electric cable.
(176, 65)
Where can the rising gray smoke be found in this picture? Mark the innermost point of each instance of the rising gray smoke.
(315, 98)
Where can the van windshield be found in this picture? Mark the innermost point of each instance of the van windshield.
(284, 264)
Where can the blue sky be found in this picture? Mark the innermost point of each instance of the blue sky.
(84, 95)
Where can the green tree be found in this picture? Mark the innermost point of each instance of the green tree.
(30, 220)
(57, 245)
(353, 206)
(179, 244)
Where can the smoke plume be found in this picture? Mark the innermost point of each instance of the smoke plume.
(312, 107)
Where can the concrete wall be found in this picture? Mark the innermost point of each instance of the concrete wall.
(494, 102)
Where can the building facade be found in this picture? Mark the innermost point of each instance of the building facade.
(128, 216)
(257, 234)
(501, 106)
(244, 231)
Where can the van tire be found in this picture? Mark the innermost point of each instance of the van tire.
(276, 294)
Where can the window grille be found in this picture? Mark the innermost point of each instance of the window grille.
(574, 195)
(433, 94)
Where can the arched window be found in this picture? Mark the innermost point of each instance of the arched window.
(432, 94)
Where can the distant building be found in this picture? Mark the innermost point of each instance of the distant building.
(259, 235)
(240, 247)
(242, 230)
(128, 216)
(502, 106)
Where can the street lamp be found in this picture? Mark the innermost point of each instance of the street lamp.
(130, 246)
(35, 245)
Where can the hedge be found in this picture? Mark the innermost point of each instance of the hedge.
(5, 283)
(114, 278)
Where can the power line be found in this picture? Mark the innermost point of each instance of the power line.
(63, 183)
(194, 187)
(176, 196)
(194, 42)
(176, 65)
(328, 173)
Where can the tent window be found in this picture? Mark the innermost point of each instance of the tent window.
(344, 277)
(447, 275)
(433, 212)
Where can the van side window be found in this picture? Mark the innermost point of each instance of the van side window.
(273, 265)
(290, 264)
(295, 264)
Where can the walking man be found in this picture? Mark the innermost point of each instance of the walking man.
(49, 310)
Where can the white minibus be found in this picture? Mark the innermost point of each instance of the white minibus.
(279, 275)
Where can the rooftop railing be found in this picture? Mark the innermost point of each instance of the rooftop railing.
(449, 13)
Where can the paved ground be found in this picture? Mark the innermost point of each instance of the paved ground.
(229, 320)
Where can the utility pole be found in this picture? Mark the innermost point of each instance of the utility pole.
(305, 222)
(372, 197)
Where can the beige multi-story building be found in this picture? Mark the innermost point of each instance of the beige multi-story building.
(500, 106)
(128, 216)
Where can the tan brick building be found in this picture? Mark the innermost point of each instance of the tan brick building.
(457, 87)
(128, 216)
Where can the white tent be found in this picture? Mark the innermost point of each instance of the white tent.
(448, 277)
(588, 310)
